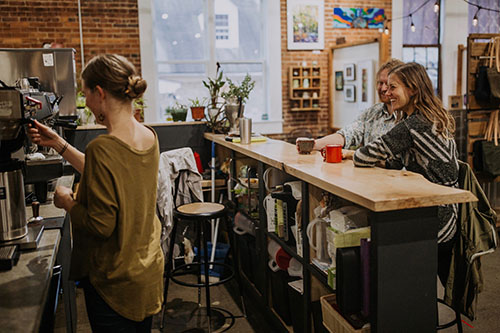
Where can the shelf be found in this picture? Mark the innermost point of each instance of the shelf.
(320, 275)
(307, 109)
(288, 249)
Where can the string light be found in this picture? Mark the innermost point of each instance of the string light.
(436, 6)
(386, 30)
(474, 20)
(412, 26)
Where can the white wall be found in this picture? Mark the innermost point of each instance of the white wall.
(454, 31)
(346, 112)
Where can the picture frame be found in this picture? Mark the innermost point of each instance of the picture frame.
(455, 102)
(350, 93)
(366, 84)
(350, 72)
(305, 24)
(339, 80)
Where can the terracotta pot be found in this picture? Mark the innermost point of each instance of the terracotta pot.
(198, 112)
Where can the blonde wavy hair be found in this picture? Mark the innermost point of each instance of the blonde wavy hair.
(414, 77)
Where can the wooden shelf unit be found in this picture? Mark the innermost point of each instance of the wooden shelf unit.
(305, 88)
(477, 113)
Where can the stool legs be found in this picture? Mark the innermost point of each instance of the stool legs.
(207, 277)
(198, 246)
(230, 236)
(168, 268)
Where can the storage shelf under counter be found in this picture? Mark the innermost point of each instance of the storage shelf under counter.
(403, 216)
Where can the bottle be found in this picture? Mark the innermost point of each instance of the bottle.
(306, 83)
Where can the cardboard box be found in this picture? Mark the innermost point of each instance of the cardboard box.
(333, 320)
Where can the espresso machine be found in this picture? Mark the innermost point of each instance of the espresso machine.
(18, 106)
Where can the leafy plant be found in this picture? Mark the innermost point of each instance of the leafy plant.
(196, 102)
(238, 94)
(214, 86)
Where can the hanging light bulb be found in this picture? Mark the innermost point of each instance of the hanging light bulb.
(412, 26)
(436, 6)
(386, 30)
(475, 20)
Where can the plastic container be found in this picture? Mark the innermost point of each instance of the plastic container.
(220, 256)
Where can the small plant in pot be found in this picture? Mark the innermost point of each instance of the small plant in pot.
(215, 119)
(178, 112)
(197, 108)
(235, 98)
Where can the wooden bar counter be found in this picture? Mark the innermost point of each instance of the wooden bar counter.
(403, 205)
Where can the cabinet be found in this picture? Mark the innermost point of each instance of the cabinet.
(305, 88)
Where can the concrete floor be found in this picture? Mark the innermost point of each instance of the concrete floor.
(182, 301)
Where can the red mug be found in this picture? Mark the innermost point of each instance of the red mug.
(332, 153)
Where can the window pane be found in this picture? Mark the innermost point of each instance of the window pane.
(179, 30)
(255, 105)
(181, 69)
(425, 21)
(427, 57)
(408, 55)
(238, 25)
(181, 90)
(488, 21)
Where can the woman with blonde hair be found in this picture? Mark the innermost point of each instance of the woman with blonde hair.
(116, 234)
(422, 142)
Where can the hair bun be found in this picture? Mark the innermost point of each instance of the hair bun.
(136, 86)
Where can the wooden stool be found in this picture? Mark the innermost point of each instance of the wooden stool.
(200, 213)
(457, 321)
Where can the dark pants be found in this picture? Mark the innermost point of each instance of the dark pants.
(104, 319)
(444, 258)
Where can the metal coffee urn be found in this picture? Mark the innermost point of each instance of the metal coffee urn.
(12, 205)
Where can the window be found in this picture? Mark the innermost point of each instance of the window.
(421, 44)
(187, 47)
(487, 21)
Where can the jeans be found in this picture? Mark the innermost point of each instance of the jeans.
(103, 318)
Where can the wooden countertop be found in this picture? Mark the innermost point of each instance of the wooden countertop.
(374, 188)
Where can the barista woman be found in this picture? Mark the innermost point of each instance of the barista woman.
(116, 234)
(422, 143)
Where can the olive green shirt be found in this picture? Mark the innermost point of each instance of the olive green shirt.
(115, 228)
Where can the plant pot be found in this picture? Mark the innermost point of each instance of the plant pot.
(178, 114)
(198, 112)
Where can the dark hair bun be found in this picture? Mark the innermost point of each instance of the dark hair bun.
(136, 86)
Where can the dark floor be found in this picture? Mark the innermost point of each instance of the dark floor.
(182, 303)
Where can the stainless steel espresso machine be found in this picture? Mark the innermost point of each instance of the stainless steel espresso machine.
(34, 84)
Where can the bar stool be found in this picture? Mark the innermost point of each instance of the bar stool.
(201, 213)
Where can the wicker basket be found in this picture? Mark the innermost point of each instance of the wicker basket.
(333, 320)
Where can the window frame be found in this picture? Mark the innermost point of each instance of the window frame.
(270, 60)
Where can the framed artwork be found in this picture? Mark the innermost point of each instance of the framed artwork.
(367, 85)
(305, 24)
(339, 80)
(455, 102)
(369, 18)
(349, 72)
(350, 93)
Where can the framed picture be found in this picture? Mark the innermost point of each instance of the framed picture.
(367, 85)
(350, 93)
(455, 102)
(339, 80)
(305, 24)
(350, 72)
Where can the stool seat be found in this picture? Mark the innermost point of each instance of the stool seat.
(200, 210)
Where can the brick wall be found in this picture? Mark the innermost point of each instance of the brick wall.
(108, 26)
(317, 122)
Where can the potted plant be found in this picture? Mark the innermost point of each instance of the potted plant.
(178, 112)
(85, 116)
(139, 106)
(235, 98)
(197, 108)
(214, 86)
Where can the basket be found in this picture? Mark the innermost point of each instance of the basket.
(333, 320)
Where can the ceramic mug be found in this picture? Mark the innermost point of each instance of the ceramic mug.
(332, 153)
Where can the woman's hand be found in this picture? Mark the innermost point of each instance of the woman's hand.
(347, 154)
(43, 135)
(63, 198)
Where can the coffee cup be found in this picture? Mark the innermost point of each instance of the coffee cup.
(332, 153)
(304, 145)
